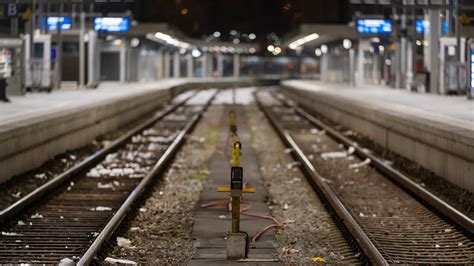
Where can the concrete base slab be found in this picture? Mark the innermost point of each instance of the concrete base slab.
(236, 245)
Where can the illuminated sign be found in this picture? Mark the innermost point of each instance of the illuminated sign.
(422, 26)
(374, 26)
(112, 24)
(472, 68)
(54, 22)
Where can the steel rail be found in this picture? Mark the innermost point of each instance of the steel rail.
(7, 213)
(157, 169)
(317, 181)
(399, 178)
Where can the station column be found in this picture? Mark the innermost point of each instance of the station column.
(166, 64)
(159, 64)
(176, 65)
(433, 44)
(220, 64)
(236, 65)
(189, 66)
(123, 63)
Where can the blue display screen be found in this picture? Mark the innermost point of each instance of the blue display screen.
(471, 76)
(422, 26)
(53, 22)
(374, 26)
(112, 24)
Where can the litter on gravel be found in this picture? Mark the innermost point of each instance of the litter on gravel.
(101, 209)
(10, 234)
(361, 164)
(124, 242)
(36, 216)
(119, 261)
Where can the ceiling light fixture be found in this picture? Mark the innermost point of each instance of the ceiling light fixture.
(296, 44)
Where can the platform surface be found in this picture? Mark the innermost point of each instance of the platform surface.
(452, 110)
(42, 104)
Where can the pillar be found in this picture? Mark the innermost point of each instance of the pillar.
(189, 66)
(166, 64)
(236, 65)
(220, 64)
(433, 40)
(159, 64)
(123, 63)
(176, 65)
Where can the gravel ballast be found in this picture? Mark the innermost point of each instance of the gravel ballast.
(160, 234)
(309, 231)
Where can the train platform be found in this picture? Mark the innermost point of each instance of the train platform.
(212, 223)
(434, 131)
(37, 126)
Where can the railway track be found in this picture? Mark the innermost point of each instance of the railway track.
(74, 214)
(392, 219)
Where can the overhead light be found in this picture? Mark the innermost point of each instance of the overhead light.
(296, 44)
(318, 52)
(252, 50)
(324, 49)
(276, 51)
(134, 42)
(233, 32)
(217, 34)
(375, 39)
(169, 40)
(347, 44)
(252, 36)
(236, 41)
(117, 42)
(270, 48)
(196, 53)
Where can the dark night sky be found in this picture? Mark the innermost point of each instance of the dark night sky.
(258, 16)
